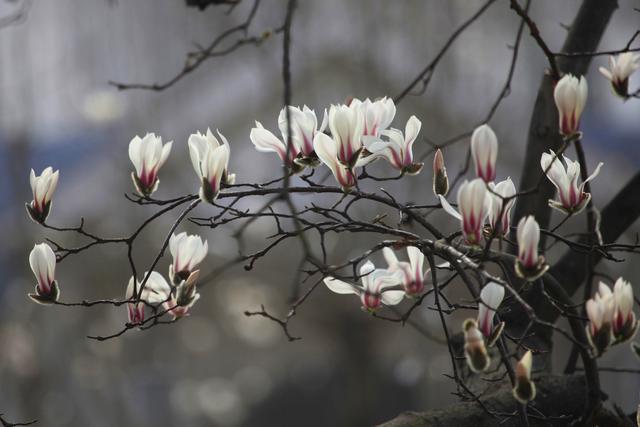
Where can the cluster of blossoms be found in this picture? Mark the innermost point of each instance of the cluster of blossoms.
(611, 317)
(210, 159)
(386, 286)
(360, 134)
(351, 136)
(178, 296)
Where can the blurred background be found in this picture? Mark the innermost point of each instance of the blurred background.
(218, 367)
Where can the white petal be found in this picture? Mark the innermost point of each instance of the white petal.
(448, 208)
(340, 287)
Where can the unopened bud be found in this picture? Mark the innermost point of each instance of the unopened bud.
(524, 390)
(474, 348)
(440, 179)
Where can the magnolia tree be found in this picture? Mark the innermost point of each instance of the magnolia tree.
(497, 253)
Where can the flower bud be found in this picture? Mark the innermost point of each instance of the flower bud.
(529, 265)
(42, 260)
(484, 150)
(570, 95)
(620, 69)
(491, 297)
(147, 155)
(524, 390)
(474, 349)
(440, 179)
(42, 187)
(186, 296)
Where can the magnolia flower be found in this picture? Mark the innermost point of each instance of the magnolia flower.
(210, 160)
(529, 265)
(304, 127)
(347, 127)
(378, 114)
(600, 311)
(475, 350)
(524, 390)
(373, 291)
(265, 141)
(42, 260)
(135, 308)
(570, 95)
(624, 319)
(176, 301)
(147, 155)
(398, 150)
(440, 179)
(484, 149)
(327, 150)
(474, 204)
(620, 69)
(501, 211)
(413, 275)
(573, 199)
(43, 187)
(491, 297)
(187, 252)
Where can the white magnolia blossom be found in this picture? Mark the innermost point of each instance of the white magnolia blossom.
(347, 127)
(475, 350)
(398, 148)
(135, 308)
(501, 211)
(484, 150)
(210, 160)
(600, 311)
(378, 114)
(177, 301)
(372, 293)
(147, 155)
(413, 273)
(524, 389)
(621, 67)
(570, 95)
(187, 251)
(529, 265)
(304, 127)
(42, 260)
(624, 319)
(491, 297)
(572, 197)
(327, 150)
(474, 205)
(42, 187)
(440, 178)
